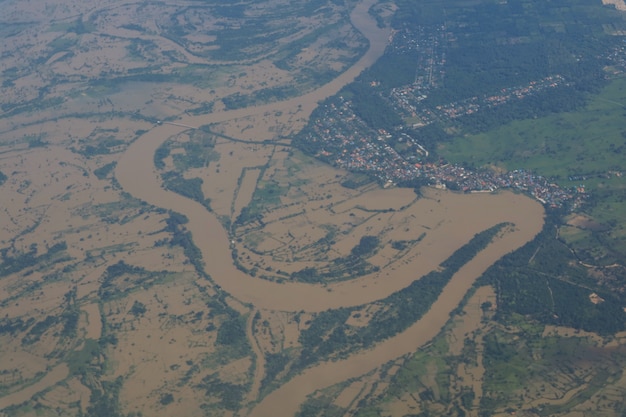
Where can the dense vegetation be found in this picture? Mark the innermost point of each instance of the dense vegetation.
(103, 148)
(266, 95)
(19, 262)
(342, 268)
(104, 400)
(105, 170)
(495, 46)
(231, 333)
(230, 395)
(498, 45)
(198, 152)
(187, 187)
(116, 281)
(544, 281)
(554, 38)
(371, 108)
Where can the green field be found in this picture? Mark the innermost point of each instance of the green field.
(589, 142)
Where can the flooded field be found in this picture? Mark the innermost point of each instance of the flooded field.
(92, 279)
(448, 220)
(55, 375)
(291, 395)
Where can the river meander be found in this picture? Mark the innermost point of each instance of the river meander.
(453, 219)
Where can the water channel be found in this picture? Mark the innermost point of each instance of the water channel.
(463, 216)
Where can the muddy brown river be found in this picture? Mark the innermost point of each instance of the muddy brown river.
(453, 220)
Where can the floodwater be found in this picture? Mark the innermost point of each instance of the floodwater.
(94, 322)
(137, 175)
(54, 376)
(288, 398)
(450, 220)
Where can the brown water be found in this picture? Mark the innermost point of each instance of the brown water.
(137, 175)
(52, 377)
(451, 220)
(286, 400)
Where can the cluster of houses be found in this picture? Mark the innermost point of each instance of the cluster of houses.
(408, 100)
(343, 139)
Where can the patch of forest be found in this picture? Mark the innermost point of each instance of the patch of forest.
(544, 281)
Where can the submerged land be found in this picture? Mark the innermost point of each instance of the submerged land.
(312, 208)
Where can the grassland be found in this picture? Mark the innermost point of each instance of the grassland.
(586, 148)
(588, 143)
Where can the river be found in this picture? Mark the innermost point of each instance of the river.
(460, 217)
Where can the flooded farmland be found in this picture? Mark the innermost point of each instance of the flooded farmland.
(85, 199)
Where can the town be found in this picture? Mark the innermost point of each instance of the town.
(397, 156)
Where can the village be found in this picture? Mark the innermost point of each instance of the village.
(398, 157)
(345, 141)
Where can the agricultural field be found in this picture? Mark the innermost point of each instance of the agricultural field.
(579, 147)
